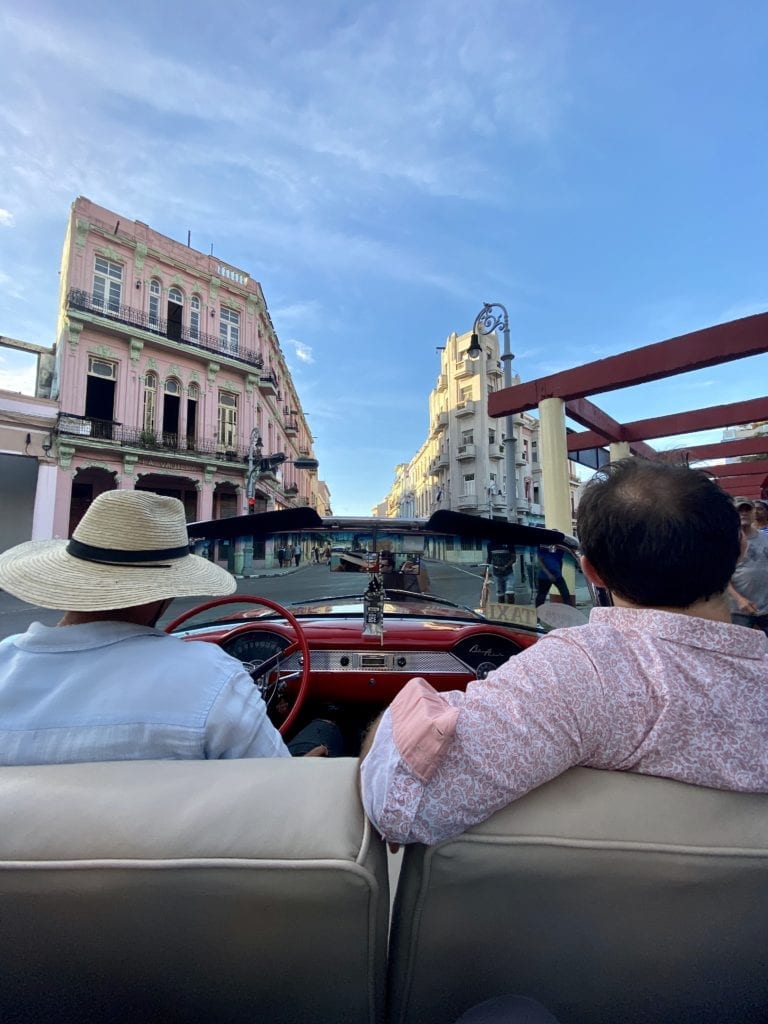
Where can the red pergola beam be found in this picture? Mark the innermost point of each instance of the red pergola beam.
(709, 347)
(719, 449)
(589, 415)
(742, 470)
(733, 414)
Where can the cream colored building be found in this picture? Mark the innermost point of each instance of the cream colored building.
(460, 465)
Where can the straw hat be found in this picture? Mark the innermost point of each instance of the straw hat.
(131, 547)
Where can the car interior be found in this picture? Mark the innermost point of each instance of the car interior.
(148, 892)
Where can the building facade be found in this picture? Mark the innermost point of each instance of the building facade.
(460, 465)
(27, 471)
(167, 376)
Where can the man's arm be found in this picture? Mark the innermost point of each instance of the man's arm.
(440, 762)
(744, 605)
(237, 724)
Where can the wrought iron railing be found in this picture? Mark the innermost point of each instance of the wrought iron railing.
(88, 303)
(74, 426)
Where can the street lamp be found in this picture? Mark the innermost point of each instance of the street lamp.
(259, 463)
(492, 316)
(255, 450)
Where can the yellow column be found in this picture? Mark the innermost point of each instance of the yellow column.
(554, 465)
(554, 476)
(619, 450)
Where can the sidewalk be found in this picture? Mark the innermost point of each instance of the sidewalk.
(275, 571)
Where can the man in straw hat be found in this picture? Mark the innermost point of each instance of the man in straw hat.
(105, 684)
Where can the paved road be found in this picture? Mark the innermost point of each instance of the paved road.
(306, 583)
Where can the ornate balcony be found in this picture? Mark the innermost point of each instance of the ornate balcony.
(268, 384)
(465, 451)
(84, 302)
(90, 431)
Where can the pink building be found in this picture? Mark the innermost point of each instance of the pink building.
(169, 377)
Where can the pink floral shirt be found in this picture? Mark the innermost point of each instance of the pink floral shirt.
(634, 690)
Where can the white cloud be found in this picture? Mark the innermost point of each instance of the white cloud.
(6, 218)
(297, 314)
(302, 351)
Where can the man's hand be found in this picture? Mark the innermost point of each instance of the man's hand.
(746, 607)
(319, 751)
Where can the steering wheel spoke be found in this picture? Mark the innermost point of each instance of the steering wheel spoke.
(271, 665)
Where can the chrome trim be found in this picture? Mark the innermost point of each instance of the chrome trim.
(415, 662)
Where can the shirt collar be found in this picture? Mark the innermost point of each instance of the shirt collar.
(80, 637)
(685, 629)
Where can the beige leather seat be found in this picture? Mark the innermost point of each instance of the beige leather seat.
(221, 891)
(613, 898)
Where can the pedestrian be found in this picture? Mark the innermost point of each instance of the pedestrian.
(550, 571)
(297, 554)
(748, 589)
(316, 554)
(281, 556)
(501, 558)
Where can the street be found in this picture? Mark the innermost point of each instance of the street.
(308, 582)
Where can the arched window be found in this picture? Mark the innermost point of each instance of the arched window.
(150, 402)
(194, 392)
(194, 318)
(155, 291)
(176, 295)
(172, 386)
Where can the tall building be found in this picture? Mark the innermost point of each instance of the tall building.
(168, 377)
(460, 465)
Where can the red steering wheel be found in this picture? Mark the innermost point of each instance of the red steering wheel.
(299, 644)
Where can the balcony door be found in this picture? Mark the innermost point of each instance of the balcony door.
(175, 311)
(100, 396)
(171, 408)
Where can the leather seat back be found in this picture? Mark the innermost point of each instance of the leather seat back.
(190, 891)
(607, 896)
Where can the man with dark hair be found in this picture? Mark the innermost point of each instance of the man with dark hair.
(662, 683)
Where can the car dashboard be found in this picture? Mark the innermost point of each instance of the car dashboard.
(346, 666)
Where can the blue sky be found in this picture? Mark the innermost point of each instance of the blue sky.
(383, 168)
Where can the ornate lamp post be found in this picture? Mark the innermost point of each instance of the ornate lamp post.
(492, 316)
(255, 451)
(258, 463)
